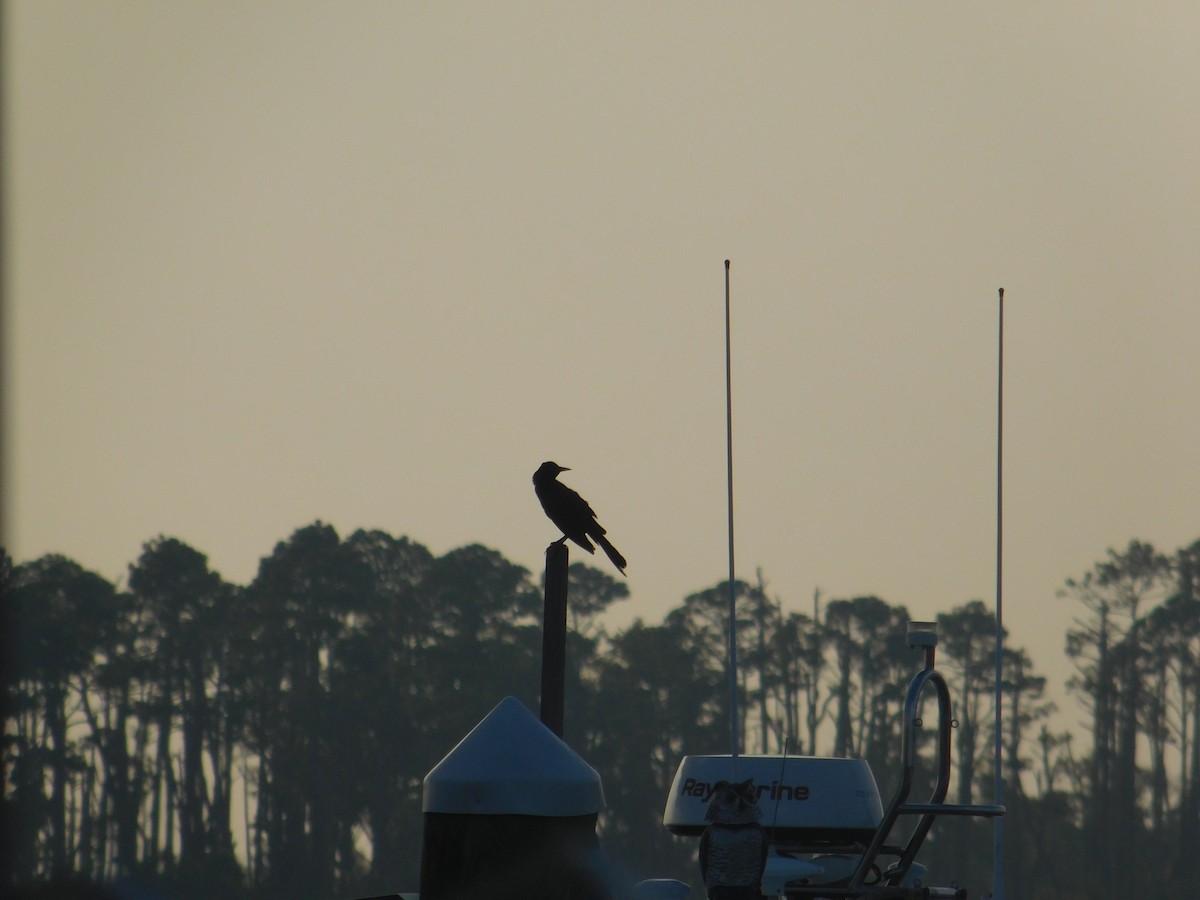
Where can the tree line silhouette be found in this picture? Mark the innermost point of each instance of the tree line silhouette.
(201, 738)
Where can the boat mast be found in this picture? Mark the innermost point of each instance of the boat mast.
(733, 683)
(998, 826)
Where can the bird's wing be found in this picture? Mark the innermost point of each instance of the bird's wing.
(579, 508)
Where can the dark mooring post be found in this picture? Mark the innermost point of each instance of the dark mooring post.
(554, 638)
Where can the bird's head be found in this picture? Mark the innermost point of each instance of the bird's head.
(548, 471)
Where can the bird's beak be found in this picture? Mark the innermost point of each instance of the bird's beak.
(564, 468)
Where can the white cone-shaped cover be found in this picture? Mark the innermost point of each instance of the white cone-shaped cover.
(512, 764)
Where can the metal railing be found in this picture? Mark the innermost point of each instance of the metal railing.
(889, 883)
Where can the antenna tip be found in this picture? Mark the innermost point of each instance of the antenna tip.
(727, 264)
(1001, 293)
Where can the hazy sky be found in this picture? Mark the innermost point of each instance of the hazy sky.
(372, 263)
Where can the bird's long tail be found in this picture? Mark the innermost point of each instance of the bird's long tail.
(613, 553)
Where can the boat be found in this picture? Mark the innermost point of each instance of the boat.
(829, 834)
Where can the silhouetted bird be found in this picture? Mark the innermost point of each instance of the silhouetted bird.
(571, 513)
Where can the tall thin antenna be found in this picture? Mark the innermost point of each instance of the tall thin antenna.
(779, 786)
(998, 822)
(733, 682)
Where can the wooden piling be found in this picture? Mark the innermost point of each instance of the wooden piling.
(554, 638)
